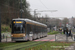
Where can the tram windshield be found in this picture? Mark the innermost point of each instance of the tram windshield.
(18, 27)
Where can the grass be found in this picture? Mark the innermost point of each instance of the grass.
(53, 32)
(8, 44)
(13, 46)
(43, 46)
(49, 46)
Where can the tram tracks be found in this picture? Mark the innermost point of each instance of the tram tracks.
(15, 45)
(31, 45)
(20, 46)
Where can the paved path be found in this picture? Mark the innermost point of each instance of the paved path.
(64, 38)
(48, 38)
(4, 40)
(59, 37)
(72, 47)
(51, 38)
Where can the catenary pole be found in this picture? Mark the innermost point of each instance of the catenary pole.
(35, 14)
(21, 8)
(0, 24)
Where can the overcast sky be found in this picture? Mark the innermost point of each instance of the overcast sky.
(65, 8)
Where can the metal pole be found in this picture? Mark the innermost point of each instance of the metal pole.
(74, 37)
(0, 24)
(55, 37)
(42, 19)
(21, 8)
(6, 38)
(66, 38)
(34, 14)
(73, 21)
(25, 4)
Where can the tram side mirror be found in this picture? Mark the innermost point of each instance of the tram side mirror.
(10, 25)
(24, 24)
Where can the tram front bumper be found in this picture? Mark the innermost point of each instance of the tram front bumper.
(18, 39)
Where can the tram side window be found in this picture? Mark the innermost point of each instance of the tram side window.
(39, 29)
(34, 29)
(29, 28)
(42, 29)
(45, 29)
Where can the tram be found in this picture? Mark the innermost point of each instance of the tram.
(26, 29)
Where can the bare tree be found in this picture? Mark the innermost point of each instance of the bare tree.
(65, 21)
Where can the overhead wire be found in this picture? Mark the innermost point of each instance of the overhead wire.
(43, 4)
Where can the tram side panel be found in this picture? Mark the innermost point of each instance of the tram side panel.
(38, 31)
(41, 32)
(33, 29)
(28, 31)
(46, 32)
(34, 32)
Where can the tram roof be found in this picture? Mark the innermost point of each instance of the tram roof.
(28, 20)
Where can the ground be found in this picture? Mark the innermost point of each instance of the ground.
(60, 37)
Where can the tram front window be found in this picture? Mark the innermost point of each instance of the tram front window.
(18, 28)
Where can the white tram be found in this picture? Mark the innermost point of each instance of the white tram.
(26, 29)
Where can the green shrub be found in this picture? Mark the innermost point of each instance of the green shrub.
(5, 28)
(54, 32)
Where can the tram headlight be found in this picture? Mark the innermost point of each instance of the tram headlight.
(11, 35)
(23, 34)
